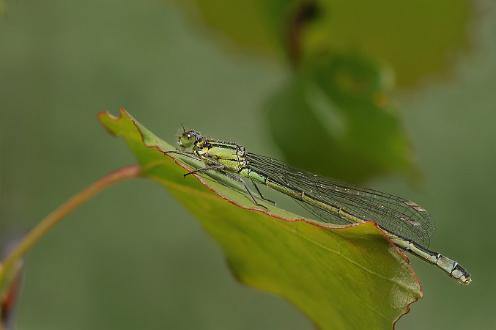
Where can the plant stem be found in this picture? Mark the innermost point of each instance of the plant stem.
(58, 214)
(305, 12)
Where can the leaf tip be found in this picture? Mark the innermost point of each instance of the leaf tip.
(108, 120)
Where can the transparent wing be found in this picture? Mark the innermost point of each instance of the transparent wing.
(395, 214)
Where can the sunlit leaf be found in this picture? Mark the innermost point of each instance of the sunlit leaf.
(340, 277)
(417, 39)
(255, 24)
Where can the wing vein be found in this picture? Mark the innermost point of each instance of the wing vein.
(396, 214)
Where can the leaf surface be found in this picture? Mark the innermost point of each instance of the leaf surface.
(340, 277)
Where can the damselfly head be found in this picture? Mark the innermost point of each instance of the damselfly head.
(188, 139)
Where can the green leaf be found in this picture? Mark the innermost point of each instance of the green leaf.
(340, 277)
(254, 24)
(417, 39)
(333, 119)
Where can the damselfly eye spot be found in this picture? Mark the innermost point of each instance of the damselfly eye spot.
(188, 138)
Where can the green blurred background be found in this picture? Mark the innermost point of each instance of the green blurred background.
(133, 258)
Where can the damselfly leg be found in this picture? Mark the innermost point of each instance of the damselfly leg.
(260, 194)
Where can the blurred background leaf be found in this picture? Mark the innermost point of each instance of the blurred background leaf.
(333, 118)
(257, 24)
(8, 300)
(10, 283)
(417, 39)
(341, 278)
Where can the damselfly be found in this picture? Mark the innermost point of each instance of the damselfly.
(404, 222)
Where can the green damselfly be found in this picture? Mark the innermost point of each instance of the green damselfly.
(406, 224)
